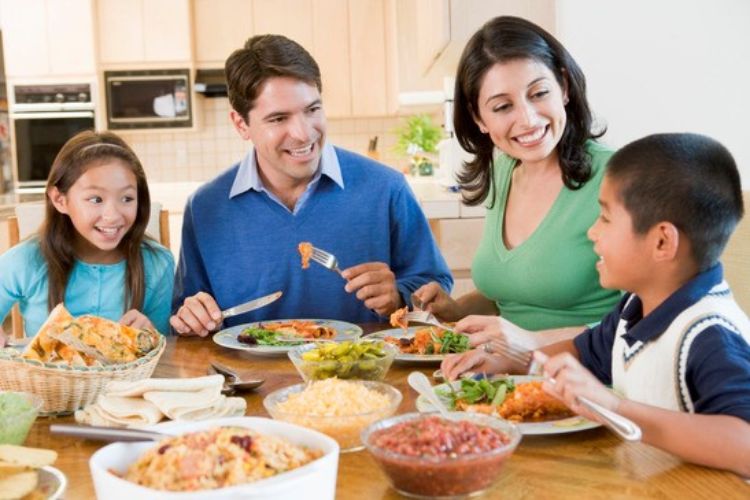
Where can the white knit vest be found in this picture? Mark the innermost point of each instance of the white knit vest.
(654, 372)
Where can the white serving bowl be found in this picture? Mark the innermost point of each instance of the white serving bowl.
(317, 479)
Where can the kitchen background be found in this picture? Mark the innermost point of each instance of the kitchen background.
(671, 65)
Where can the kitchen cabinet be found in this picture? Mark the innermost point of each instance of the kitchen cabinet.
(431, 34)
(353, 42)
(221, 27)
(48, 38)
(144, 31)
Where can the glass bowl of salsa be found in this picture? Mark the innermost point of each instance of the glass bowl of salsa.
(426, 455)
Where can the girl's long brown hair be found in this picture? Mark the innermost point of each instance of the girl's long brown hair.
(56, 236)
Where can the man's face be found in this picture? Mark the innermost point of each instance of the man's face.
(287, 126)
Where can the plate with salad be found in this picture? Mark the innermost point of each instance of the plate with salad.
(277, 337)
(518, 398)
(424, 344)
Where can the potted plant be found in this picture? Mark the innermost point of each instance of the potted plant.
(418, 139)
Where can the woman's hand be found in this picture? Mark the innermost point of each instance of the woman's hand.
(496, 330)
(572, 380)
(136, 319)
(478, 361)
(431, 297)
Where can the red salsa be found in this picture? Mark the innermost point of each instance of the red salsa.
(440, 457)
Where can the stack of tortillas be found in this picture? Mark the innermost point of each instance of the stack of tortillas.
(146, 402)
(18, 469)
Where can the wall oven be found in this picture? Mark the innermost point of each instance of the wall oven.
(43, 118)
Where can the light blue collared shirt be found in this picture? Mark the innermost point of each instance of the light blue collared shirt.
(248, 177)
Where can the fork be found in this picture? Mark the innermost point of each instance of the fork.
(325, 259)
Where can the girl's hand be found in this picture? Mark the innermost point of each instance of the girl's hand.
(572, 380)
(477, 361)
(431, 297)
(136, 319)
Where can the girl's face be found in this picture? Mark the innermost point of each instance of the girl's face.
(522, 107)
(102, 205)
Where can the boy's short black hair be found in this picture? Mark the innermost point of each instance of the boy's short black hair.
(689, 180)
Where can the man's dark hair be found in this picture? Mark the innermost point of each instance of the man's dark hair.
(689, 180)
(261, 58)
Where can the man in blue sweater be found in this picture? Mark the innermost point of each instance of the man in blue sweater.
(241, 230)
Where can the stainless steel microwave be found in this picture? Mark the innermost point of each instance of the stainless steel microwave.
(148, 99)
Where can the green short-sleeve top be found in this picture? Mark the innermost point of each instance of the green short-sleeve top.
(549, 280)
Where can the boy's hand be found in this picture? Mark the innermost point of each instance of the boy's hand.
(572, 380)
(136, 319)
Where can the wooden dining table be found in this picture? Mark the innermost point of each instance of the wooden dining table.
(588, 464)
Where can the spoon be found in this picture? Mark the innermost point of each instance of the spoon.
(420, 383)
(233, 381)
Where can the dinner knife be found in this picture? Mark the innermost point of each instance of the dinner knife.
(251, 305)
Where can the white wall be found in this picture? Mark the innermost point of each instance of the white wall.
(665, 66)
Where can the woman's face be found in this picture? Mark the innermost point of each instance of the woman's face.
(522, 107)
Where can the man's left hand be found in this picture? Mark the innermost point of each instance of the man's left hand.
(375, 285)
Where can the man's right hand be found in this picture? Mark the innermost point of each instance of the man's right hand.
(198, 315)
(434, 299)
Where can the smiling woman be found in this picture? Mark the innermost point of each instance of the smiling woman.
(521, 109)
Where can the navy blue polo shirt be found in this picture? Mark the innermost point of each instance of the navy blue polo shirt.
(718, 363)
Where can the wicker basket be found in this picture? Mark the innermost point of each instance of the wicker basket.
(65, 389)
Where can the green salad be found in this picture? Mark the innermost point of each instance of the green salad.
(482, 391)
(450, 342)
(260, 336)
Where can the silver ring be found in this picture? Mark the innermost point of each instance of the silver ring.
(487, 348)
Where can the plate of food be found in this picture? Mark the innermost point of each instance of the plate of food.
(518, 398)
(423, 344)
(272, 338)
(28, 473)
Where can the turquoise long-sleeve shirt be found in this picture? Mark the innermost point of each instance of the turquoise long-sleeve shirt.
(97, 289)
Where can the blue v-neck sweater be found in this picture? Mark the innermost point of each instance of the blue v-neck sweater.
(244, 247)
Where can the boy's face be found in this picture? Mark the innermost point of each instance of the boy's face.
(624, 262)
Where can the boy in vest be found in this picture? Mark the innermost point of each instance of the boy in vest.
(676, 349)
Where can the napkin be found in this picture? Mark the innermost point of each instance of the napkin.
(146, 402)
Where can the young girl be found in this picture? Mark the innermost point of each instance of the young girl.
(91, 252)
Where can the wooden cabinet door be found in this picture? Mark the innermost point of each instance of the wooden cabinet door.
(221, 27)
(291, 18)
(70, 30)
(368, 57)
(25, 38)
(330, 20)
(166, 30)
(120, 28)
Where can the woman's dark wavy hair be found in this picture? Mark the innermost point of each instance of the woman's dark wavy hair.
(83, 151)
(503, 39)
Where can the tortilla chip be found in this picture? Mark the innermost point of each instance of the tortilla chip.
(11, 454)
(18, 485)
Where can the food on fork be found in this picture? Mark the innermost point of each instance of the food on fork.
(305, 250)
(398, 318)
(88, 341)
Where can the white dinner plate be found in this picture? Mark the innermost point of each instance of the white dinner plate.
(228, 337)
(562, 426)
(408, 358)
